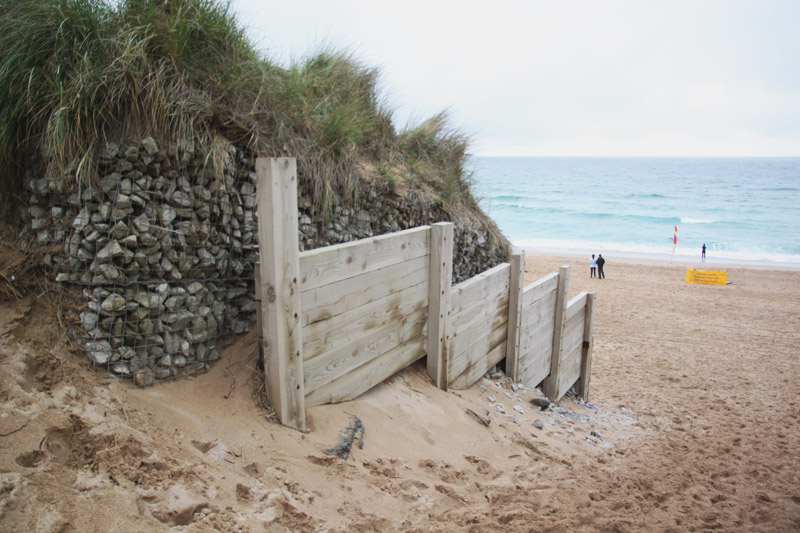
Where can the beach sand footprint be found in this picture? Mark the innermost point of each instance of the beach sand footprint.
(204, 447)
(31, 459)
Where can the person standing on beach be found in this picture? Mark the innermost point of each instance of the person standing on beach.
(592, 266)
(703, 258)
(600, 263)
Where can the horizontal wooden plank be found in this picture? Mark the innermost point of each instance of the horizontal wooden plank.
(331, 365)
(536, 369)
(335, 263)
(348, 340)
(539, 289)
(479, 367)
(474, 354)
(576, 305)
(538, 337)
(571, 354)
(481, 309)
(360, 380)
(346, 328)
(469, 292)
(543, 310)
(537, 364)
(335, 298)
(481, 326)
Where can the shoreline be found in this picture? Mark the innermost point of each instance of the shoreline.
(642, 258)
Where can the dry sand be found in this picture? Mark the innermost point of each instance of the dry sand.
(694, 406)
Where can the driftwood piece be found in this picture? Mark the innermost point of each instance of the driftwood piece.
(346, 438)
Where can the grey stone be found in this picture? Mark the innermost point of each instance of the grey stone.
(166, 214)
(113, 303)
(182, 199)
(131, 153)
(99, 352)
(194, 287)
(119, 231)
(120, 368)
(125, 187)
(542, 403)
(141, 223)
(162, 372)
(109, 184)
(143, 378)
(109, 251)
(109, 272)
(82, 220)
(150, 146)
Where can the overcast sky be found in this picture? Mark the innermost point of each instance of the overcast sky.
(574, 78)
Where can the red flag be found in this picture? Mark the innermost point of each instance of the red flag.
(675, 240)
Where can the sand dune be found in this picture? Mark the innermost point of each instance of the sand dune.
(692, 425)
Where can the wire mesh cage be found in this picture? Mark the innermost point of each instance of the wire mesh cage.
(161, 248)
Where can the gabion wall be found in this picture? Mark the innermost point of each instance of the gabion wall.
(163, 253)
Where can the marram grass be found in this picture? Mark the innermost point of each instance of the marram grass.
(77, 73)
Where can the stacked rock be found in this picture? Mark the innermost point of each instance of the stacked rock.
(162, 250)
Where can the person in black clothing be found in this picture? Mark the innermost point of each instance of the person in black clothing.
(704, 253)
(600, 263)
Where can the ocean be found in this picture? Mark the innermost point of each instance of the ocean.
(743, 209)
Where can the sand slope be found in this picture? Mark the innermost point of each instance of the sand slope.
(694, 407)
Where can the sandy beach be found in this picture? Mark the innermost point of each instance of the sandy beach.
(692, 424)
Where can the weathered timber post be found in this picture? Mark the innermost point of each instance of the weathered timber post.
(279, 291)
(515, 286)
(586, 351)
(440, 278)
(551, 382)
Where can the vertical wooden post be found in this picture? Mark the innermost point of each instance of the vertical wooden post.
(586, 352)
(515, 285)
(440, 278)
(551, 382)
(280, 295)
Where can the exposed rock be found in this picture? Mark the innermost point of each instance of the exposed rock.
(99, 352)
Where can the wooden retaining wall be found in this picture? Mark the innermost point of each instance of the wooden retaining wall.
(478, 326)
(364, 311)
(337, 321)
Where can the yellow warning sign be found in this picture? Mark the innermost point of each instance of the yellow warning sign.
(706, 277)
